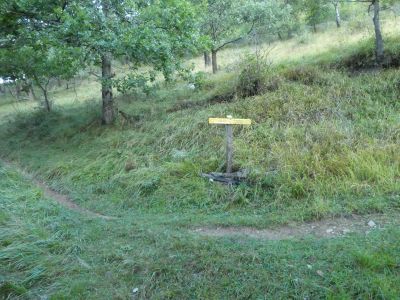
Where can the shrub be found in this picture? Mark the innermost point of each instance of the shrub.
(304, 74)
(363, 57)
(199, 80)
(255, 76)
(357, 24)
(304, 38)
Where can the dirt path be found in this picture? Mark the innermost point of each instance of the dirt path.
(327, 228)
(49, 193)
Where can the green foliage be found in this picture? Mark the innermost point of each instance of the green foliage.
(364, 56)
(304, 38)
(58, 39)
(166, 32)
(317, 134)
(255, 76)
(324, 142)
(135, 82)
(30, 47)
(227, 21)
(272, 17)
(197, 79)
(317, 11)
(48, 250)
(305, 74)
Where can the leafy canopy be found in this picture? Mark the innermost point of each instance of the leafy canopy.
(227, 21)
(47, 39)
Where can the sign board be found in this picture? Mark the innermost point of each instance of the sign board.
(229, 121)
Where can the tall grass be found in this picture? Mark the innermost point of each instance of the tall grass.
(49, 252)
(323, 142)
(325, 139)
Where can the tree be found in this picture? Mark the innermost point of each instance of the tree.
(379, 48)
(316, 12)
(376, 7)
(228, 21)
(221, 27)
(207, 59)
(29, 49)
(294, 11)
(276, 19)
(156, 33)
(336, 5)
(152, 33)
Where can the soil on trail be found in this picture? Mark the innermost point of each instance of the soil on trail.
(66, 201)
(327, 228)
(49, 193)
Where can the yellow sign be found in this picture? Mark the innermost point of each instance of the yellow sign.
(229, 121)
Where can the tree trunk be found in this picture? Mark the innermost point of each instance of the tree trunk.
(44, 88)
(46, 100)
(32, 94)
(337, 11)
(214, 61)
(379, 50)
(207, 59)
(108, 112)
(18, 89)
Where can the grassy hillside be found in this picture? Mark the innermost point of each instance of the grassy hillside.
(325, 141)
(333, 42)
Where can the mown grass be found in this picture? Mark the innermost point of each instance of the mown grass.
(49, 252)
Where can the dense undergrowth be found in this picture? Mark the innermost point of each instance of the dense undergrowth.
(324, 141)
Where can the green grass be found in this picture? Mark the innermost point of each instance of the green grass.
(325, 141)
(48, 251)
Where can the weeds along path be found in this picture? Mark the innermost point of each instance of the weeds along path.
(49, 193)
(326, 228)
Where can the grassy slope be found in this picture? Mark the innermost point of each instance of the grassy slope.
(324, 142)
(47, 251)
(306, 46)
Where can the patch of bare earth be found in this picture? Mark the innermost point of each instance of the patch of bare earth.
(66, 201)
(327, 228)
(51, 194)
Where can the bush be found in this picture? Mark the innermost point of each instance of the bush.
(304, 38)
(357, 24)
(255, 77)
(305, 74)
(363, 57)
(199, 80)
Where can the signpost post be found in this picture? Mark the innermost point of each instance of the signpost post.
(228, 122)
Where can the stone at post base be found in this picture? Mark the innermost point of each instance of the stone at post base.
(233, 178)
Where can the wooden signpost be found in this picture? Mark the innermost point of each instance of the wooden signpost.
(228, 122)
